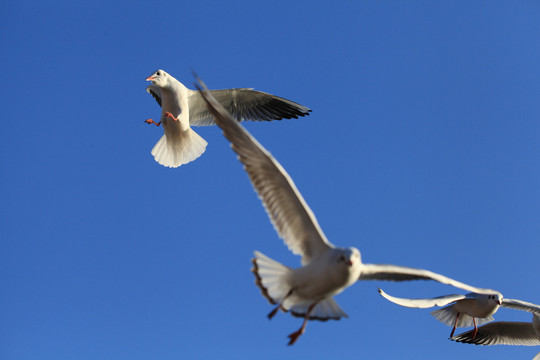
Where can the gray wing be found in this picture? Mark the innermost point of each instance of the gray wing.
(424, 303)
(155, 91)
(402, 273)
(289, 213)
(501, 333)
(521, 305)
(244, 104)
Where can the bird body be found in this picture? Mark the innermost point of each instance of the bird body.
(183, 108)
(326, 270)
(507, 332)
(179, 144)
(472, 309)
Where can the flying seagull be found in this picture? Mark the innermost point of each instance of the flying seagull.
(465, 310)
(183, 108)
(508, 332)
(326, 270)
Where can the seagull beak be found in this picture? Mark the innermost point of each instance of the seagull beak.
(349, 262)
(150, 78)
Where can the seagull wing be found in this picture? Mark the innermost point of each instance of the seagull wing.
(289, 213)
(402, 273)
(521, 305)
(244, 104)
(423, 303)
(501, 333)
(155, 91)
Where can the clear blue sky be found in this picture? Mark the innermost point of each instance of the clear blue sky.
(422, 150)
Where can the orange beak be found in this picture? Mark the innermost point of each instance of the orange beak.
(150, 78)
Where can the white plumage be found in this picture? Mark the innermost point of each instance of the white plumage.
(326, 270)
(508, 332)
(183, 108)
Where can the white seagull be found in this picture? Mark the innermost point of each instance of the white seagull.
(183, 108)
(465, 310)
(326, 270)
(508, 332)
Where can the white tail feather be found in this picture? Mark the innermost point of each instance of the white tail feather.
(180, 150)
(447, 315)
(271, 277)
(324, 310)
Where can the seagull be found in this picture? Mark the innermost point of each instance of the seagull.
(183, 108)
(466, 310)
(326, 270)
(508, 332)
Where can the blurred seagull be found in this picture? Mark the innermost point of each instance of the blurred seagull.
(326, 270)
(466, 310)
(183, 108)
(508, 332)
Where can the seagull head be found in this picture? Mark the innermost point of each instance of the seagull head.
(497, 298)
(349, 257)
(494, 299)
(158, 78)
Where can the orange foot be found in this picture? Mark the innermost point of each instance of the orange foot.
(168, 114)
(150, 121)
(295, 335)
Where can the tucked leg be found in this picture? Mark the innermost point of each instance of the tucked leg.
(295, 335)
(168, 114)
(475, 328)
(150, 121)
(273, 312)
(455, 325)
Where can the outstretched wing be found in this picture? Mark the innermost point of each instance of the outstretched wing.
(289, 213)
(521, 305)
(402, 273)
(244, 104)
(501, 333)
(423, 303)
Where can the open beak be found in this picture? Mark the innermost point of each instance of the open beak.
(150, 78)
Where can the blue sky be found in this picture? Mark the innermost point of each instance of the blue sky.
(422, 150)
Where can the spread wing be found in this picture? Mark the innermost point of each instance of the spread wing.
(244, 104)
(521, 305)
(289, 213)
(501, 333)
(402, 273)
(424, 303)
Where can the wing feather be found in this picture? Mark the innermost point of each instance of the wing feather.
(423, 303)
(289, 213)
(402, 273)
(155, 91)
(521, 305)
(244, 104)
(501, 333)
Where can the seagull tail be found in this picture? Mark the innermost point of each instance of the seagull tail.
(447, 315)
(181, 149)
(271, 277)
(323, 311)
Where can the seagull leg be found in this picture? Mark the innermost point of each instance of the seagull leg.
(455, 325)
(295, 335)
(150, 121)
(273, 312)
(475, 328)
(168, 114)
